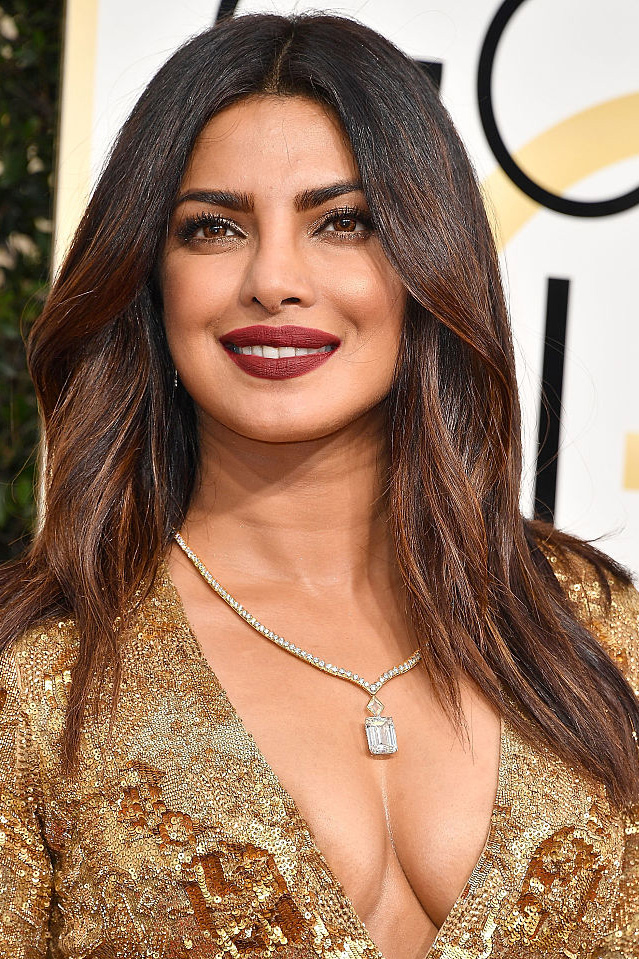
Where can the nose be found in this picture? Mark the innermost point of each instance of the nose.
(277, 273)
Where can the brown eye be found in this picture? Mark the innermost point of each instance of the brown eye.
(348, 222)
(211, 231)
(206, 227)
(351, 224)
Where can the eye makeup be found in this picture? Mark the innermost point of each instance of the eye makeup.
(191, 225)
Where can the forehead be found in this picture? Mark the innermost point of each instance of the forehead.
(271, 138)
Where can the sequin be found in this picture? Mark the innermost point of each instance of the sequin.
(177, 840)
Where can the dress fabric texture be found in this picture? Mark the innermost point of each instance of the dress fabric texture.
(178, 841)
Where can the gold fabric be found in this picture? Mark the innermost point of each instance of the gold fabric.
(178, 841)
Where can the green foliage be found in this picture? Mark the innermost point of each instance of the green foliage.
(30, 37)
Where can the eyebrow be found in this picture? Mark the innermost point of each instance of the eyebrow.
(244, 202)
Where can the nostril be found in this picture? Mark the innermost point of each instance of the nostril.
(275, 309)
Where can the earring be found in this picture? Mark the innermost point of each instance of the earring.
(175, 380)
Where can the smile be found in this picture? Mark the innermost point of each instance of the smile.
(276, 352)
(279, 352)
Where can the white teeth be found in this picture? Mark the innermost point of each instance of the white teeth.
(280, 352)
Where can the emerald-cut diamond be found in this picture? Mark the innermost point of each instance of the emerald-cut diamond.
(380, 732)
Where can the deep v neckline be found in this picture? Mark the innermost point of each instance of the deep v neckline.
(501, 799)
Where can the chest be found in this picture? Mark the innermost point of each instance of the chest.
(180, 828)
(403, 832)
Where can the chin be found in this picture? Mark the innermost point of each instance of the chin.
(281, 423)
(279, 432)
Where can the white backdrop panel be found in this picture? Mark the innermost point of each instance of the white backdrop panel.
(554, 62)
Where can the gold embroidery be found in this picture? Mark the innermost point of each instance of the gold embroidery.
(178, 841)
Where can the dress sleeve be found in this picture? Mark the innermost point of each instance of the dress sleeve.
(622, 942)
(25, 865)
(618, 631)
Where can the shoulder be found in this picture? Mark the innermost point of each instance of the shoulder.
(36, 667)
(35, 677)
(606, 601)
(33, 663)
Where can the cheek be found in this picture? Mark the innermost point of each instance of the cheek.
(375, 292)
(377, 305)
(193, 295)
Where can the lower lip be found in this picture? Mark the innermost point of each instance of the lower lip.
(282, 369)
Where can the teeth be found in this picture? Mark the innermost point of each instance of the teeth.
(279, 352)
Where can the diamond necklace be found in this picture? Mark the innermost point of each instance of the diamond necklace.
(380, 730)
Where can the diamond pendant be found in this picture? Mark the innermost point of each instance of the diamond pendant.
(380, 730)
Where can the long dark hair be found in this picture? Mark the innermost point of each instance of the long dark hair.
(122, 444)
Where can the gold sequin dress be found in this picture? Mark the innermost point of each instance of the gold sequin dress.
(178, 841)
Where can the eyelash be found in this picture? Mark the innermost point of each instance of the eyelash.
(187, 230)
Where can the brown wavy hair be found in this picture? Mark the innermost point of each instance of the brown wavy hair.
(122, 444)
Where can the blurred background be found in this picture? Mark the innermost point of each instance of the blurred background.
(30, 67)
(546, 98)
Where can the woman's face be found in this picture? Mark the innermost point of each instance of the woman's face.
(282, 313)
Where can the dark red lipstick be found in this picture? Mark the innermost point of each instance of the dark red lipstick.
(279, 338)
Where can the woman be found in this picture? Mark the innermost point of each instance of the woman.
(280, 334)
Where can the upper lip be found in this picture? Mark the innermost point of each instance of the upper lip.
(300, 336)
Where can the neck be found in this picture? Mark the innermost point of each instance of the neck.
(310, 513)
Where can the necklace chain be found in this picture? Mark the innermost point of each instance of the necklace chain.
(307, 657)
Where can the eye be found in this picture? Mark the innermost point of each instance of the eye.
(208, 227)
(205, 227)
(345, 221)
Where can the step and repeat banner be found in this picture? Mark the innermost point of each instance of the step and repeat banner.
(546, 97)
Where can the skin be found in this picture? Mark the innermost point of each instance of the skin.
(289, 517)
